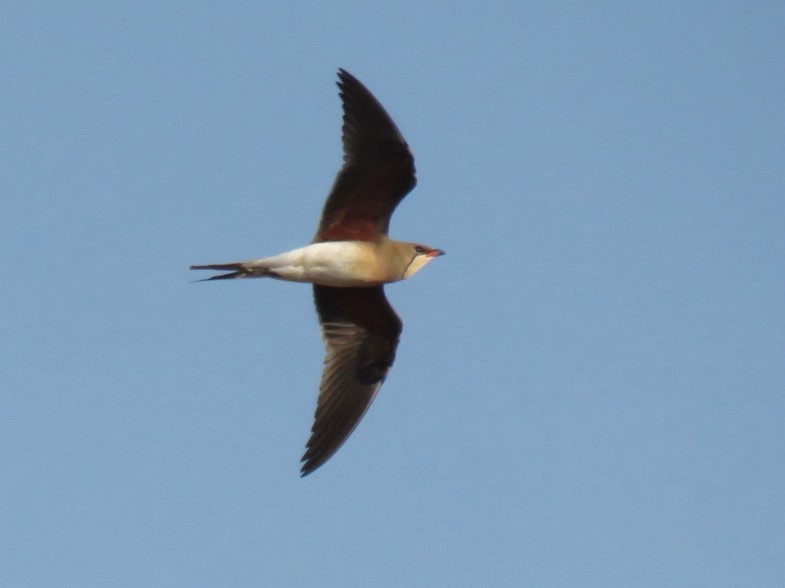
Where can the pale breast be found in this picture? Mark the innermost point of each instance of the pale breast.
(344, 263)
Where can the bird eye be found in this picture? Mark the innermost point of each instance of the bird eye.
(419, 249)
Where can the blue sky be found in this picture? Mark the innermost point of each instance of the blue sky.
(589, 387)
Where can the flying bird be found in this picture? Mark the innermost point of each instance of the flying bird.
(348, 262)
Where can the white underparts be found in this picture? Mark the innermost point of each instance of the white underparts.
(342, 263)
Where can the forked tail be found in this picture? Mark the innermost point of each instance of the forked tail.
(236, 270)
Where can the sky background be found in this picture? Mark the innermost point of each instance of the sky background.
(589, 386)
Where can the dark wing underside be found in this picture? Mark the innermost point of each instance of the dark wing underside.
(361, 332)
(378, 169)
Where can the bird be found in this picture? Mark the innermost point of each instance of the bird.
(348, 262)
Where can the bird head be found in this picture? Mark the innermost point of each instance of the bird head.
(419, 256)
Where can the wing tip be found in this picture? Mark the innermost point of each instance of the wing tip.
(345, 79)
(311, 462)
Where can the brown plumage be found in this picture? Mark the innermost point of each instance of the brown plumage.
(361, 332)
(359, 327)
(348, 262)
(378, 169)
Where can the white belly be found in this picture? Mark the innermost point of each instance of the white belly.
(341, 264)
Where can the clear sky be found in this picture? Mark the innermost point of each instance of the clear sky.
(589, 387)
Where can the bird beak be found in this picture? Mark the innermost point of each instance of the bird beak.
(435, 253)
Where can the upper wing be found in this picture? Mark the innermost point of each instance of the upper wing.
(378, 169)
(361, 332)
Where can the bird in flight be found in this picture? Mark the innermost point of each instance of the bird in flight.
(348, 262)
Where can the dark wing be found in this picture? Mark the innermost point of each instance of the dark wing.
(378, 169)
(360, 331)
